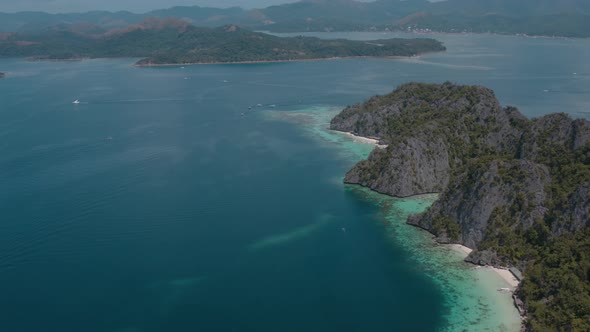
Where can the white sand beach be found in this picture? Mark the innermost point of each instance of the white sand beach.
(365, 140)
(504, 273)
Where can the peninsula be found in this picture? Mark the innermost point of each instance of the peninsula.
(515, 190)
(171, 41)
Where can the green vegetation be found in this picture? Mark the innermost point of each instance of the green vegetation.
(557, 285)
(533, 17)
(533, 175)
(444, 225)
(177, 43)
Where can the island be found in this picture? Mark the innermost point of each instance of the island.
(513, 189)
(2, 75)
(172, 42)
(565, 18)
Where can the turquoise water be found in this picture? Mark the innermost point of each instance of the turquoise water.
(162, 203)
(471, 300)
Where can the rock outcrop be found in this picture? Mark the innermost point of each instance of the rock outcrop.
(517, 191)
(418, 166)
(497, 171)
(487, 190)
(430, 129)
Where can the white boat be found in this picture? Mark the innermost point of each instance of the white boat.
(76, 101)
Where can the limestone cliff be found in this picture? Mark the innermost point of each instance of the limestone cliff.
(431, 130)
(487, 162)
(515, 190)
(486, 190)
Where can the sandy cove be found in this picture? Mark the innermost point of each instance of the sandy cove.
(504, 273)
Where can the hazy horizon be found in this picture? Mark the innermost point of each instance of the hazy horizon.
(136, 6)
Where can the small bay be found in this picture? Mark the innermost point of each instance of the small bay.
(209, 198)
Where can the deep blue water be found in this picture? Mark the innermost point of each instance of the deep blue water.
(161, 203)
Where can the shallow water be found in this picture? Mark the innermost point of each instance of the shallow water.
(162, 203)
(471, 300)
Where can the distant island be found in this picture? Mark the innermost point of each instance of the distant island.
(515, 190)
(162, 42)
(2, 75)
(563, 18)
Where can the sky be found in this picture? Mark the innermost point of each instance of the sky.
(138, 6)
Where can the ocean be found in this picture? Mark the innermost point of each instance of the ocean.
(210, 197)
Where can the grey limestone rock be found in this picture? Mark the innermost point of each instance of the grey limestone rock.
(514, 187)
(491, 165)
(417, 166)
(484, 258)
(427, 137)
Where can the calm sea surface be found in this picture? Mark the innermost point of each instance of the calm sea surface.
(162, 203)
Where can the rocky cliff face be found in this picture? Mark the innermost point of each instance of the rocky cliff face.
(486, 190)
(430, 129)
(515, 190)
(576, 215)
(556, 131)
(406, 168)
(493, 167)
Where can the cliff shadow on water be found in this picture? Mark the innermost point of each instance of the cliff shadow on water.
(515, 190)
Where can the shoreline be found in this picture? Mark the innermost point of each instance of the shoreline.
(362, 139)
(464, 285)
(137, 64)
(505, 274)
(392, 57)
(434, 32)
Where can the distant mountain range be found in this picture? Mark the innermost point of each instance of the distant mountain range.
(173, 41)
(535, 17)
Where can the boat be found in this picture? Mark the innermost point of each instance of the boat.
(76, 101)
